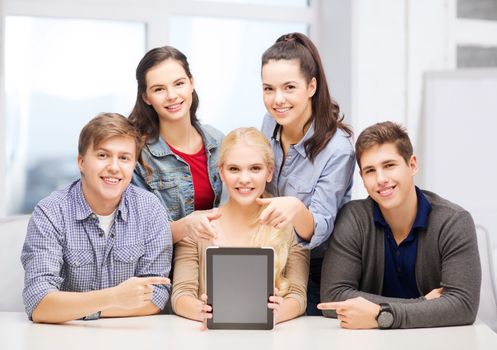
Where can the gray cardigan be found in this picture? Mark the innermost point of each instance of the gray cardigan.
(447, 257)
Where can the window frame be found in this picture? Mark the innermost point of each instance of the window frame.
(155, 14)
(469, 32)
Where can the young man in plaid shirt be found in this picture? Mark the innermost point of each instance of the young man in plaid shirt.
(100, 247)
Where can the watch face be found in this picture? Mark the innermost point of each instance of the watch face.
(385, 319)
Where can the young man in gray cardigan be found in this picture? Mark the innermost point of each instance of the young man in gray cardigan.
(403, 257)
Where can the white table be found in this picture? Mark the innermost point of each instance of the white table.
(170, 332)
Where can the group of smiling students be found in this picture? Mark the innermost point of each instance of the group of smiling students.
(103, 246)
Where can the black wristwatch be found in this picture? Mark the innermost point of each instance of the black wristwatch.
(91, 317)
(385, 316)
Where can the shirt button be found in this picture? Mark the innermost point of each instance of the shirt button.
(397, 253)
(215, 177)
(399, 270)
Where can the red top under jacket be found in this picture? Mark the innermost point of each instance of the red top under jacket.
(203, 195)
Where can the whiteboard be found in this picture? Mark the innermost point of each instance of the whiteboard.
(458, 141)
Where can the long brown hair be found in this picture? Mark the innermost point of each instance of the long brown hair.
(143, 116)
(325, 111)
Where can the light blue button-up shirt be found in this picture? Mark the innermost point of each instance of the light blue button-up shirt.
(66, 250)
(323, 185)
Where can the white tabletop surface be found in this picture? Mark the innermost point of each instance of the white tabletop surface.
(173, 332)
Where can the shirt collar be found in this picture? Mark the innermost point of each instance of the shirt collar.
(299, 147)
(83, 210)
(422, 213)
(159, 148)
(210, 141)
(424, 209)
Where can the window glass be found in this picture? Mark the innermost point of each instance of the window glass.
(286, 3)
(59, 74)
(225, 58)
(477, 9)
(476, 56)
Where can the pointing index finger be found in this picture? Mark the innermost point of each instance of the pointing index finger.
(329, 306)
(155, 280)
(263, 201)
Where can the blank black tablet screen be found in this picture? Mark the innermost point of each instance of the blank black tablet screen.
(239, 283)
(229, 287)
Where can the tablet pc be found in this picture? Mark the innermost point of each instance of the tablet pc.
(239, 283)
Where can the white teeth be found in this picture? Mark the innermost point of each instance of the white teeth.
(244, 190)
(111, 180)
(282, 110)
(176, 106)
(386, 191)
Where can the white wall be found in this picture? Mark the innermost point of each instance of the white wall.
(334, 37)
(2, 112)
(376, 53)
(380, 66)
(430, 47)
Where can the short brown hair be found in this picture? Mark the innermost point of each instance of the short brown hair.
(103, 127)
(381, 133)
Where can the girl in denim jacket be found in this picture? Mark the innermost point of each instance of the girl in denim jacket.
(179, 162)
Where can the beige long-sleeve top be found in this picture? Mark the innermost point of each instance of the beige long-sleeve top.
(189, 267)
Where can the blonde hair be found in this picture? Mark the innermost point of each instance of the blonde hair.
(248, 137)
(265, 236)
(278, 239)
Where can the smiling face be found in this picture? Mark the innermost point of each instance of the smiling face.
(287, 94)
(387, 177)
(245, 173)
(169, 91)
(106, 171)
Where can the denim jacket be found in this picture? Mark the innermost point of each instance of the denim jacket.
(171, 179)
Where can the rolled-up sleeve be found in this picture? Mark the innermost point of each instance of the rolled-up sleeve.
(42, 259)
(328, 196)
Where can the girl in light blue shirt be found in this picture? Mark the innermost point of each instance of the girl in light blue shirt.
(314, 157)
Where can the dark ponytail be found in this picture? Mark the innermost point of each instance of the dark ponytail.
(325, 111)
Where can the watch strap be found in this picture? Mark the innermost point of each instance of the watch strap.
(385, 314)
(91, 317)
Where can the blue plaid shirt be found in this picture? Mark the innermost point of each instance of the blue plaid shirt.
(66, 250)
